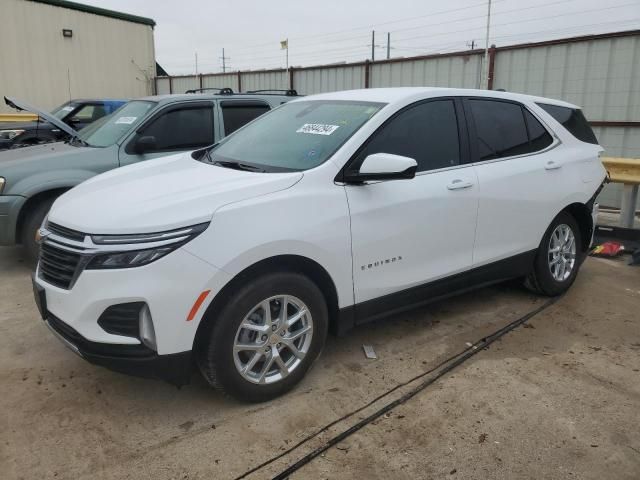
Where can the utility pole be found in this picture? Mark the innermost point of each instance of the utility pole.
(388, 45)
(373, 45)
(224, 61)
(471, 45)
(196, 62)
(485, 63)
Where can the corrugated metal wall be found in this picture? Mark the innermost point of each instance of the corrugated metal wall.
(182, 84)
(229, 80)
(265, 80)
(460, 71)
(163, 85)
(106, 57)
(329, 79)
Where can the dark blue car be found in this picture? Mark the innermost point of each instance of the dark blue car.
(76, 113)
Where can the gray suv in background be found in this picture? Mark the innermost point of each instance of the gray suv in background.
(31, 178)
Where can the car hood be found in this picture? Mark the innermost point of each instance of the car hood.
(20, 105)
(47, 152)
(161, 194)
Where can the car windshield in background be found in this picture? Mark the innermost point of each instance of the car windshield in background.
(63, 110)
(108, 130)
(296, 136)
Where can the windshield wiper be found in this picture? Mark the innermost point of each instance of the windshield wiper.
(238, 166)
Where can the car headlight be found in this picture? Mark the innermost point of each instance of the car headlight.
(10, 134)
(2, 182)
(141, 249)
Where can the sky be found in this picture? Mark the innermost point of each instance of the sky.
(336, 31)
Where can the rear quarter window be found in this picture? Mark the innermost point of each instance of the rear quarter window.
(573, 120)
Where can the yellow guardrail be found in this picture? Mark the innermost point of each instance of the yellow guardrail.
(627, 172)
(17, 117)
(623, 170)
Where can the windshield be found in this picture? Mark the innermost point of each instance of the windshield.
(111, 128)
(296, 136)
(63, 110)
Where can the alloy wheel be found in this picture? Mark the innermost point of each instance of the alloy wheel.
(561, 255)
(273, 339)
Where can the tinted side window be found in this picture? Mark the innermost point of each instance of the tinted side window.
(182, 129)
(238, 114)
(573, 120)
(500, 128)
(538, 135)
(427, 132)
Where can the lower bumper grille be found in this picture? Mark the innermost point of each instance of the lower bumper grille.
(122, 319)
(87, 347)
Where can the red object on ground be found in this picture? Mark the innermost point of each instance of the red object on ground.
(608, 249)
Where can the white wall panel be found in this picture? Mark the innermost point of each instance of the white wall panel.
(328, 79)
(163, 85)
(265, 80)
(182, 84)
(228, 80)
(458, 72)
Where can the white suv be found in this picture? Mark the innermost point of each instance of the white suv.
(328, 212)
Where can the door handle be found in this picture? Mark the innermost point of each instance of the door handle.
(551, 165)
(459, 184)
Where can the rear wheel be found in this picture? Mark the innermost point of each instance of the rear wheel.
(32, 223)
(265, 338)
(558, 258)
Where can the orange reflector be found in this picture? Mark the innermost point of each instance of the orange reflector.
(197, 304)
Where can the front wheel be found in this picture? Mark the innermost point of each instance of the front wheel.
(558, 258)
(265, 338)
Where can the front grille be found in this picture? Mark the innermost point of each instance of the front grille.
(57, 266)
(122, 319)
(87, 347)
(65, 232)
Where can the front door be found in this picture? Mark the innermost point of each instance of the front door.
(178, 128)
(408, 233)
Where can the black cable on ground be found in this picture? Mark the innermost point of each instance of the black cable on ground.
(451, 363)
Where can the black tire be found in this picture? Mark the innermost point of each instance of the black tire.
(31, 224)
(541, 279)
(214, 353)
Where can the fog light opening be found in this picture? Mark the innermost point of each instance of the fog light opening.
(147, 332)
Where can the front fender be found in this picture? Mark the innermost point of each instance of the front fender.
(49, 180)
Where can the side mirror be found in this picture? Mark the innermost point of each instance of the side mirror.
(383, 166)
(145, 144)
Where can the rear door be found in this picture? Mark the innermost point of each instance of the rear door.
(520, 177)
(177, 128)
(407, 233)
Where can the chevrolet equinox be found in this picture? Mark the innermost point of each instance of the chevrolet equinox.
(329, 211)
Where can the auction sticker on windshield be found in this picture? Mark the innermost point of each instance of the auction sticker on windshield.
(126, 120)
(317, 129)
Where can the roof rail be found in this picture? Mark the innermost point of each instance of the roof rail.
(273, 91)
(221, 91)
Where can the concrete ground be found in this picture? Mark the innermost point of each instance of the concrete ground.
(558, 398)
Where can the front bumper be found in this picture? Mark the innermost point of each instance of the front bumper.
(168, 286)
(131, 359)
(10, 206)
